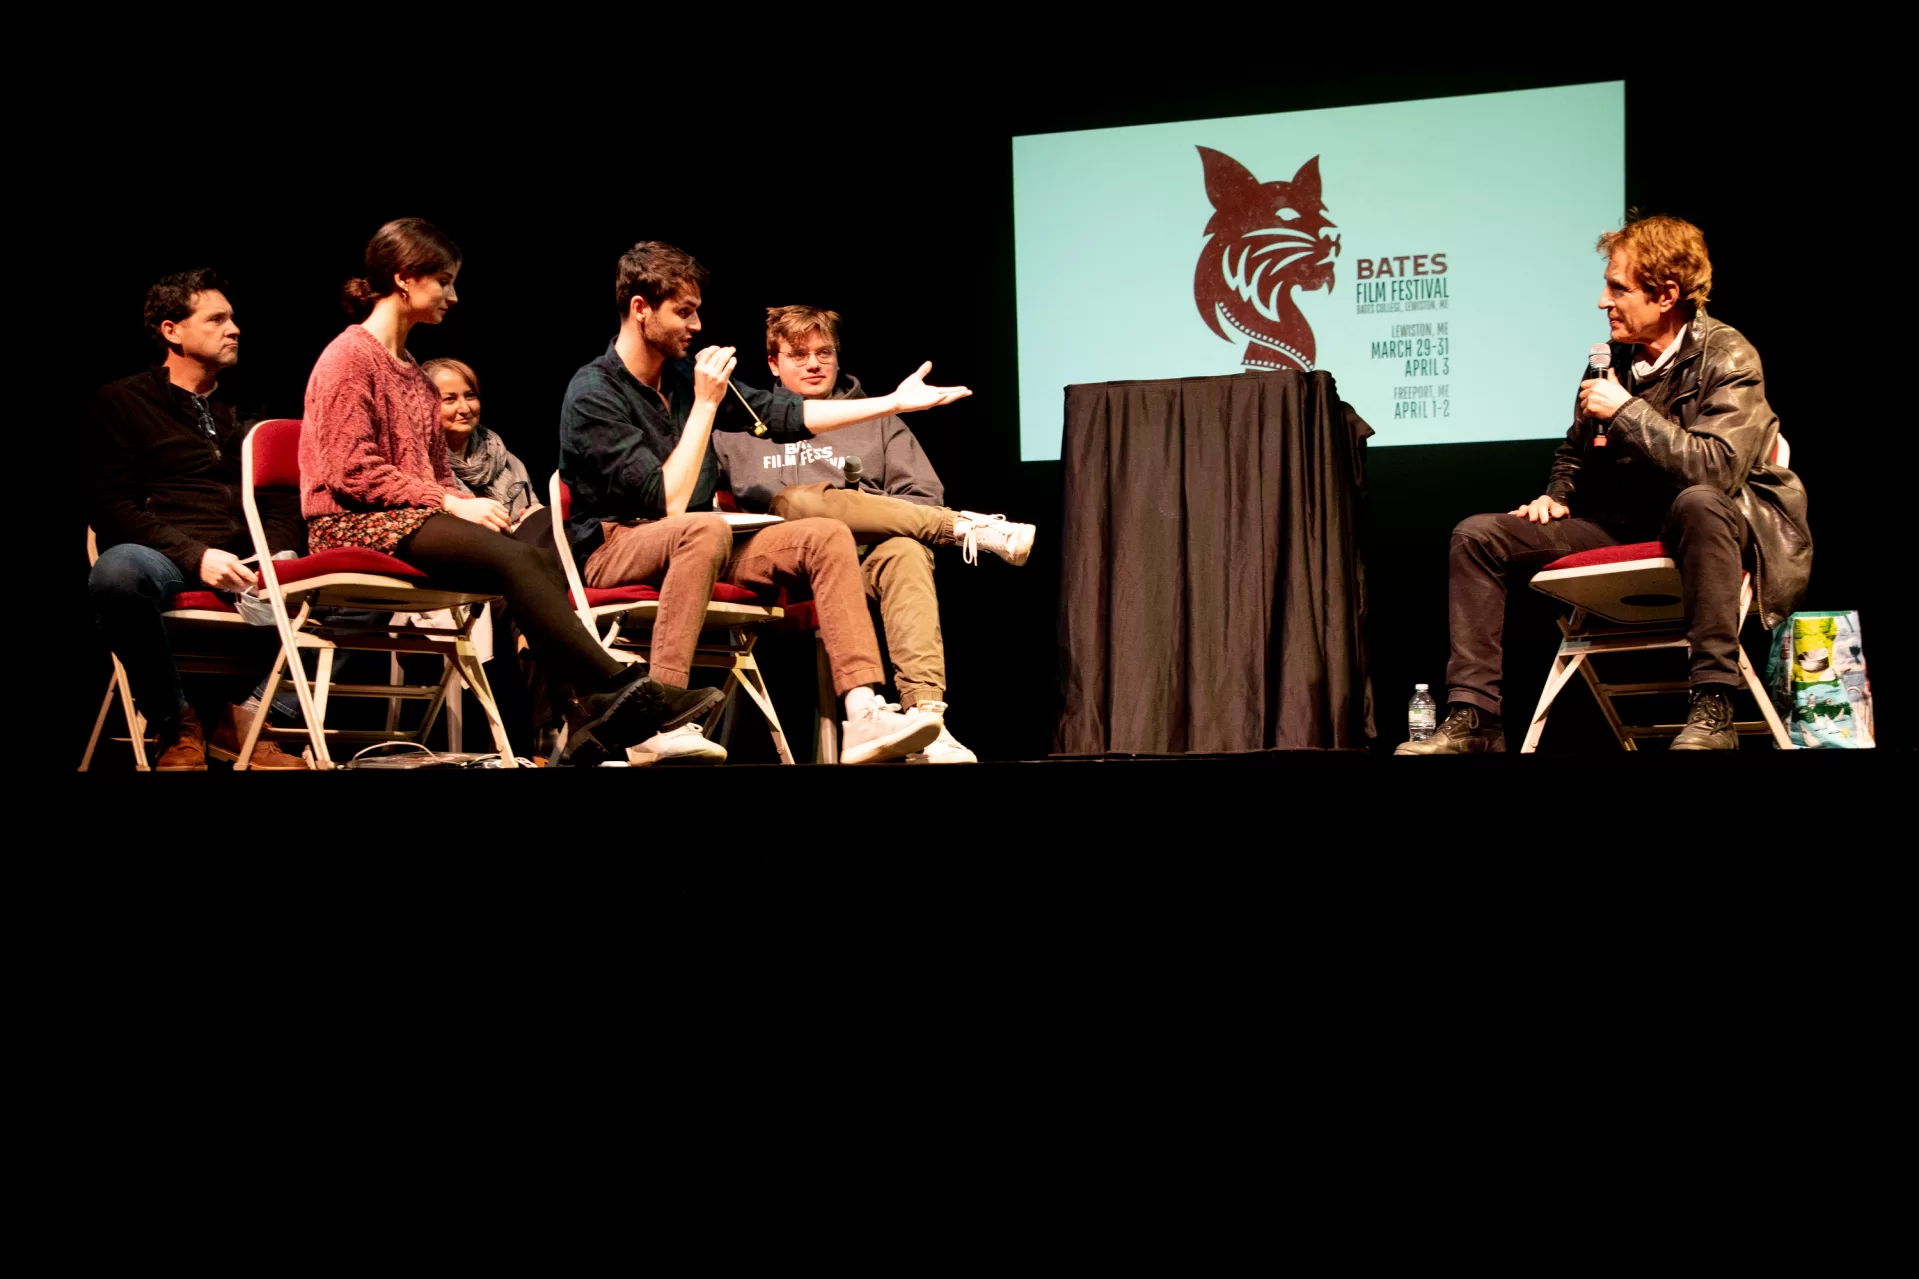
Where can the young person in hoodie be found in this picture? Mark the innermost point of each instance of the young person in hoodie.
(896, 505)
(634, 430)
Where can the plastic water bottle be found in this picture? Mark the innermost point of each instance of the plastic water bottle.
(1422, 715)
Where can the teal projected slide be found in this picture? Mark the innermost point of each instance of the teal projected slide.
(1435, 257)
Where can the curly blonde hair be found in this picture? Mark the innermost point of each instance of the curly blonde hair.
(795, 322)
(1660, 248)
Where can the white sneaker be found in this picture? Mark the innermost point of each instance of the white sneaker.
(944, 749)
(1011, 542)
(883, 733)
(686, 744)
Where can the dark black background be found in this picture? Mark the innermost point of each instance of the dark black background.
(886, 195)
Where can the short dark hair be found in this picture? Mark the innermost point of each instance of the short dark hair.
(655, 270)
(171, 298)
(404, 246)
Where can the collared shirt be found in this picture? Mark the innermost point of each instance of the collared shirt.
(616, 434)
(1642, 370)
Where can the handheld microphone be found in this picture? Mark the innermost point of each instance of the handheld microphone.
(1598, 360)
(759, 428)
(854, 469)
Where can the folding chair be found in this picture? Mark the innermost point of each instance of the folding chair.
(1626, 599)
(191, 617)
(801, 617)
(734, 618)
(360, 579)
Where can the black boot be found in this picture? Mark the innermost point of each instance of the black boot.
(630, 708)
(1709, 725)
(1466, 731)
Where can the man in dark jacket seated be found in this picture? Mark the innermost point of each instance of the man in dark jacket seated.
(1680, 450)
(167, 516)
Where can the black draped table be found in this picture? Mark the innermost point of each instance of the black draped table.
(1211, 593)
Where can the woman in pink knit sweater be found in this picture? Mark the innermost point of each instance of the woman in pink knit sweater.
(374, 473)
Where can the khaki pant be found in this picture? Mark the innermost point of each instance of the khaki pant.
(685, 554)
(898, 574)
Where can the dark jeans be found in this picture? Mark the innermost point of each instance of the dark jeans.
(129, 587)
(1702, 529)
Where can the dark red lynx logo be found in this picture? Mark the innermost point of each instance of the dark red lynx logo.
(1263, 241)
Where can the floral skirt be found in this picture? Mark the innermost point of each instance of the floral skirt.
(375, 530)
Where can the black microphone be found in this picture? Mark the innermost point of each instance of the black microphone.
(1598, 361)
(854, 469)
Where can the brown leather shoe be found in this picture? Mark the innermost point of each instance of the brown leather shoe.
(1466, 730)
(183, 747)
(231, 732)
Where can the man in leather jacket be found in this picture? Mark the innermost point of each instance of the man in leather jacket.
(1680, 450)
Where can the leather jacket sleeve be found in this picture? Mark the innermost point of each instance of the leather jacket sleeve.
(1563, 482)
(1731, 426)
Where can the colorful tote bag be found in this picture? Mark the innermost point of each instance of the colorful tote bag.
(1817, 674)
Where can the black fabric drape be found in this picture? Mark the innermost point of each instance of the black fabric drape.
(1211, 594)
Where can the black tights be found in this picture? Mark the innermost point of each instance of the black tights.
(463, 556)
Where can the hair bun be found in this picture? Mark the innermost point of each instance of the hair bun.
(357, 296)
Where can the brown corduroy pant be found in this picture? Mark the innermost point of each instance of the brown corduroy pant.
(685, 554)
(897, 574)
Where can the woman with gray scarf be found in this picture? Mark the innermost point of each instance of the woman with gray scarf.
(479, 457)
(484, 468)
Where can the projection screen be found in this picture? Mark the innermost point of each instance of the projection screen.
(1436, 257)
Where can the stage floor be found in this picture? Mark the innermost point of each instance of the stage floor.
(1351, 799)
(1239, 884)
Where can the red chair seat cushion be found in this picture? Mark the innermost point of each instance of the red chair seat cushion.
(342, 559)
(204, 601)
(1611, 555)
(801, 615)
(596, 596)
(600, 596)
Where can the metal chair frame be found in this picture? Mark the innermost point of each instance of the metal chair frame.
(359, 590)
(193, 621)
(1641, 628)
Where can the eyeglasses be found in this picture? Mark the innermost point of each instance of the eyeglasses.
(825, 355)
(207, 423)
(206, 415)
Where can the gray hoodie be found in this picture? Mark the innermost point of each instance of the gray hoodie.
(891, 459)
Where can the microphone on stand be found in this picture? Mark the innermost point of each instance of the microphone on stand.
(1598, 360)
(854, 469)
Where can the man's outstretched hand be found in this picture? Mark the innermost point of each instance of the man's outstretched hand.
(913, 394)
(1542, 510)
